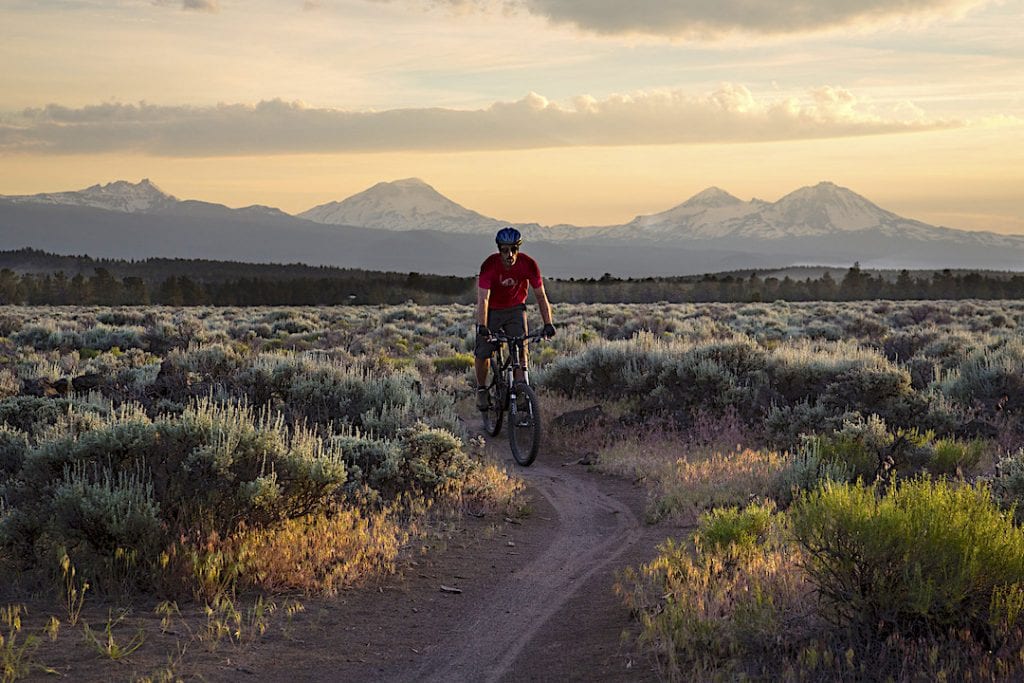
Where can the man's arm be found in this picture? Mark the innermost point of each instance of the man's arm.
(483, 296)
(543, 304)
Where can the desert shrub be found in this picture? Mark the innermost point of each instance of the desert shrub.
(925, 558)
(990, 379)
(786, 425)
(10, 384)
(40, 337)
(115, 515)
(859, 447)
(604, 369)
(13, 447)
(208, 470)
(730, 526)
(805, 470)
(10, 323)
(122, 318)
(713, 377)
(294, 325)
(32, 415)
(950, 456)
(902, 345)
(371, 462)
(1008, 484)
(431, 459)
(104, 338)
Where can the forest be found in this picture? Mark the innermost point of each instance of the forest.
(32, 277)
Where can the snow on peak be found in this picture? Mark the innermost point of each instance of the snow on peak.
(702, 215)
(826, 208)
(120, 195)
(408, 204)
(712, 196)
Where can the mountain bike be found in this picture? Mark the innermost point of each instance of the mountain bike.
(517, 398)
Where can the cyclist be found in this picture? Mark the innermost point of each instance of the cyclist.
(501, 302)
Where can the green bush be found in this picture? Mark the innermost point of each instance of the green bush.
(724, 527)
(926, 558)
(459, 362)
(431, 458)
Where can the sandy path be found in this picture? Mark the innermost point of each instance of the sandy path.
(593, 529)
(536, 600)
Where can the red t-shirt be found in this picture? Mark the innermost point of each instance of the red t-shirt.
(508, 285)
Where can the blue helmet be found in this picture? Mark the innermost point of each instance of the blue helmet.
(508, 235)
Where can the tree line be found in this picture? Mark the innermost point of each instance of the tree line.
(258, 285)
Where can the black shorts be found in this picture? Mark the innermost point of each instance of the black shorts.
(510, 321)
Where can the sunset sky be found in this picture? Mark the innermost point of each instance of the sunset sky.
(555, 111)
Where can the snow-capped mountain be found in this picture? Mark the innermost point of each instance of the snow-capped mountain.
(121, 196)
(408, 204)
(825, 210)
(712, 231)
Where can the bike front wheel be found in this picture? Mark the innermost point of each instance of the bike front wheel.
(524, 424)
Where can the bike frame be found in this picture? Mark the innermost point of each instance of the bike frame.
(510, 362)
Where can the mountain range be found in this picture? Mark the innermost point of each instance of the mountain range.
(406, 225)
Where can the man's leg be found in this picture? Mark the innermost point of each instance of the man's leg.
(481, 358)
(480, 366)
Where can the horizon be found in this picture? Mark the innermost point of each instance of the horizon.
(546, 112)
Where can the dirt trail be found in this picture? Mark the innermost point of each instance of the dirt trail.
(593, 530)
(536, 601)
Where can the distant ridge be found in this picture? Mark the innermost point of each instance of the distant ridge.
(120, 195)
(824, 224)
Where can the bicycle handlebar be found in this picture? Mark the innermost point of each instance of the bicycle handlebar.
(503, 339)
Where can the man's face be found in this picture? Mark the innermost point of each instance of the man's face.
(509, 253)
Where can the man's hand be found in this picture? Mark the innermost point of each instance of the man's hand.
(482, 331)
(549, 331)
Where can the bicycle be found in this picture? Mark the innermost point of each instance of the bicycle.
(518, 398)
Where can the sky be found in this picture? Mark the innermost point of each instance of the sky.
(587, 112)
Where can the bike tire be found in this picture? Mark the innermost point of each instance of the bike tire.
(493, 416)
(524, 425)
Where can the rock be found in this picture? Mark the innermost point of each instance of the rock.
(579, 419)
(40, 387)
(87, 382)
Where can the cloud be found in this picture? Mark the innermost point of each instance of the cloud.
(201, 5)
(711, 18)
(730, 114)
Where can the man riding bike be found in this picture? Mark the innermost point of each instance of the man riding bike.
(501, 302)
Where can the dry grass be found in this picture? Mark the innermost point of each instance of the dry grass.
(703, 615)
(324, 553)
(687, 481)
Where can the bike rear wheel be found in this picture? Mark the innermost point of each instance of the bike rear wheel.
(524, 424)
(493, 415)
